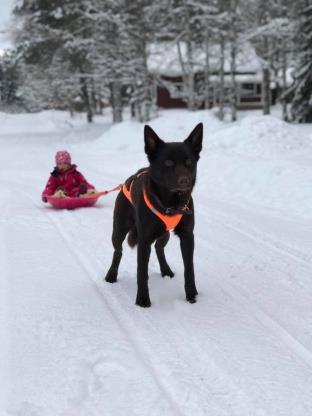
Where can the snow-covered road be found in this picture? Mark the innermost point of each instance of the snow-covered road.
(73, 345)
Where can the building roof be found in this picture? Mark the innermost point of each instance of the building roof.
(163, 59)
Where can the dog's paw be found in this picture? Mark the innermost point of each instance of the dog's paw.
(166, 271)
(143, 301)
(191, 299)
(111, 276)
(191, 296)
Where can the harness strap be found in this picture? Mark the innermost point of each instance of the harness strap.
(170, 221)
(127, 193)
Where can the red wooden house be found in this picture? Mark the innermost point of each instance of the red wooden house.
(165, 67)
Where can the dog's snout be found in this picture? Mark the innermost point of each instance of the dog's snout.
(184, 181)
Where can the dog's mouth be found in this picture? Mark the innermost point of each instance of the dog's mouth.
(181, 190)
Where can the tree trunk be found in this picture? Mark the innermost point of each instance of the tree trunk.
(147, 99)
(266, 90)
(132, 109)
(86, 99)
(284, 81)
(221, 87)
(138, 112)
(116, 101)
(190, 77)
(190, 70)
(184, 73)
(233, 60)
(207, 100)
(266, 74)
(284, 65)
(233, 84)
(71, 108)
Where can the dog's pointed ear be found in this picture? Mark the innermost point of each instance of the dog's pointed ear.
(152, 141)
(195, 139)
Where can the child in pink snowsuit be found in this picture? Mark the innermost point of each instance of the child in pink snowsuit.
(65, 180)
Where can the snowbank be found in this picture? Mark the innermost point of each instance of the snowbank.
(42, 122)
(262, 136)
(73, 345)
(260, 160)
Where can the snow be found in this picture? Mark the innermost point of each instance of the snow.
(73, 345)
(6, 7)
(163, 58)
(41, 122)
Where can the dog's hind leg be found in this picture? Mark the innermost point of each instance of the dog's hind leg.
(119, 234)
(123, 222)
(159, 247)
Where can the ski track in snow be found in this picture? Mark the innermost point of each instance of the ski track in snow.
(201, 398)
(223, 386)
(90, 367)
(82, 348)
(252, 232)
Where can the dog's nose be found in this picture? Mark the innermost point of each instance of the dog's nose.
(184, 181)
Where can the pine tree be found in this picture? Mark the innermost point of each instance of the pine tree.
(301, 105)
(234, 23)
(9, 79)
(257, 18)
(144, 21)
(207, 24)
(54, 42)
(185, 23)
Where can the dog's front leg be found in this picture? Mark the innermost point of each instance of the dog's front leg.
(144, 251)
(187, 249)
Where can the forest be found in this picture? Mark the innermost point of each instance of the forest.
(85, 55)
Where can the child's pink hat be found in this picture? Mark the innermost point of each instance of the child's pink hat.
(62, 156)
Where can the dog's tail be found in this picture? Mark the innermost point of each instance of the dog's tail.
(133, 237)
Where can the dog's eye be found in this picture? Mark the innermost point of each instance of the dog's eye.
(169, 163)
(188, 162)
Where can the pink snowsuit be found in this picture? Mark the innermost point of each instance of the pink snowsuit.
(72, 182)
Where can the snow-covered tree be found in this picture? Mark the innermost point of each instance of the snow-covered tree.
(9, 78)
(55, 39)
(144, 22)
(234, 25)
(301, 105)
(95, 51)
(184, 27)
(257, 30)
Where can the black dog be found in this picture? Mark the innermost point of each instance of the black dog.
(152, 202)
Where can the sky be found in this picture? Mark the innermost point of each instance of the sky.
(5, 15)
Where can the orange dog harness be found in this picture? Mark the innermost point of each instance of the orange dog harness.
(170, 221)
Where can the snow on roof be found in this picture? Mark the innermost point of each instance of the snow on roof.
(163, 58)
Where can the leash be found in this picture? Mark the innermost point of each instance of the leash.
(98, 194)
(117, 188)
